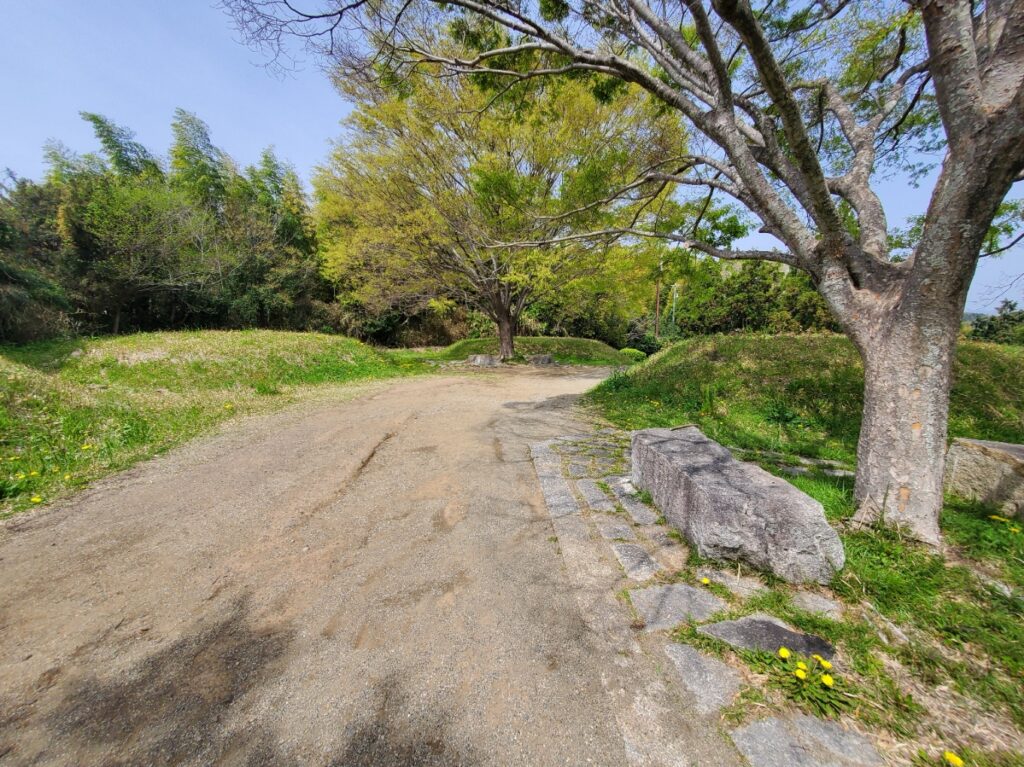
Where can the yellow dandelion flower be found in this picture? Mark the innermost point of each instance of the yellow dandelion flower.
(952, 759)
(705, 581)
(801, 665)
(228, 406)
(87, 446)
(36, 499)
(33, 473)
(998, 518)
(784, 652)
(827, 680)
(1014, 529)
(67, 477)
(800, 674)
(20, 475)
(825, 664)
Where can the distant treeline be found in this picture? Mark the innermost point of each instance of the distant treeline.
(125, 241)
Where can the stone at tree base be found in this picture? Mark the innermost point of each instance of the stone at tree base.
(712, 684)
(761, 631)
(541, 359)
(816, 603)
(731, 510)
(594, 496)
(803, 741)
(483, 360)
(743, 586)
(992, 472)
(665, 607)
(614, 530)
(636, 561)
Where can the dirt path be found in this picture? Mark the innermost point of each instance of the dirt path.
(370, 582)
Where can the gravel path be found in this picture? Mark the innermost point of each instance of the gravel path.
(362, 582)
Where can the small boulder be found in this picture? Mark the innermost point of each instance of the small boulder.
(730, 510)
(992, 472)
(665, 607)
(483, 360)
(541, 359)
(766, 632)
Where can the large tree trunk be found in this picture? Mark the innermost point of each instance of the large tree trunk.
(902, 446)
(506, 335)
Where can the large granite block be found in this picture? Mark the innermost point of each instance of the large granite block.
(987, 471)
(730, 510)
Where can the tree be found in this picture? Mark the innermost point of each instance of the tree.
(800, 105)
(439, 181)
(1006, 327)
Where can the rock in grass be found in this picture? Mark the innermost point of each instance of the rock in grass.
(992, 472)
(665, 607)
(712, 684)
(743, 586)
(541, 359)
(803, 741)
(483, 360)
(736, 511)
(816, 603)
(636, 561)
(766, 632)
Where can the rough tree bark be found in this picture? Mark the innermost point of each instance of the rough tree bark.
(506, 335)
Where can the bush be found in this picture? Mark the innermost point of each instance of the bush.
(635, 355)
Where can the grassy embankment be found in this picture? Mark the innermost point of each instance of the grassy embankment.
(801, 396)
(73, 411)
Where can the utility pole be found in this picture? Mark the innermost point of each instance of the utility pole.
(657, 300)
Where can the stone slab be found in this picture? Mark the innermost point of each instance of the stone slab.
(541, 359)
(625, 493)
(803, 741)
(743, 586)
(761, 631)
(712, 684)
(730, 510)
(987, 471)
(665, 607)
(614, 530)
(594, 496)
(636, 561)
(816, 603)
(558, 496)
(483, 360)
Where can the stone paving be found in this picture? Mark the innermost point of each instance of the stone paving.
(604, 527)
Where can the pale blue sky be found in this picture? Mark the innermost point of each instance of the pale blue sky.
(136, 60)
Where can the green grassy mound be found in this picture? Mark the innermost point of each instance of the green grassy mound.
(71, 411)
(799, 394)
(569, 351)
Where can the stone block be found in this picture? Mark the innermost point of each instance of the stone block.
(665, 607)
(992, 472)
(483, 360)
(636, 561)
(711, 683)
(803, 741)
(766, 632)
(730, 510)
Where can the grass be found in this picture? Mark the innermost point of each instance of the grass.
(798, 394)
(568, 351)
(73, 411)
(801, 396)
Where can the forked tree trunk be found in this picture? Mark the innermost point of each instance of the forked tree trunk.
(902, 446)
(506, 336)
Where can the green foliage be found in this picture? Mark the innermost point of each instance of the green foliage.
(74, 410)
(634, 355)
(1006, 327)
(111, 242)
(811, 682)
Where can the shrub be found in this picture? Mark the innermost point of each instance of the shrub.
(635, 355)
